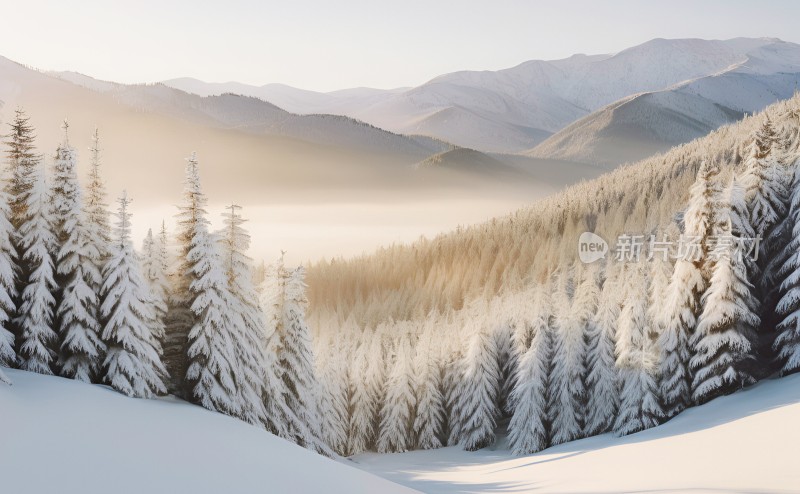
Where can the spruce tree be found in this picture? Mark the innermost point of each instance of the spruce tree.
(250, 327)
(766, 182)
(22, 172)
(567, 388)
(722, 343)
(35, 317)
(787, 344)
(211, 375)
(602, 380)
(8, 274)
(132, 364)
(478, 403)
(334, 383)
(362, 404)
(297, 365)
(155, 274)
(637, 359)
(397, 413)
(429, 418)
(96, 213)
(528, 426)
(278, 416)
(76, 260)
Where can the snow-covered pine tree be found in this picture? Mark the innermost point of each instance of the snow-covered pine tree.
(361, 429)
(250, 329)
(211, 375)
(96, 212)
(132, 365)
(180, 319)
(478, 402)
(602, 380)
(787, 344)
(722, 343)
(567, 386)
(278, 416)
(153, 270)
(333, 353)
(38, 340)
(77, 274)
(454, 387)
(690, 277)
(397, 413)
(8, 274)
(429, 418)
(766, 182)
(637, 358)
(528, 426)
(297, 364)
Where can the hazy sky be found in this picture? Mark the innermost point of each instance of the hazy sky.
(329, 44)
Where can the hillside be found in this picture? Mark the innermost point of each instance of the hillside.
(700, 450)
(85, 438)
(507, 254)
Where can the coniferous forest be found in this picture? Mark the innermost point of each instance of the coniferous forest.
(496, 328)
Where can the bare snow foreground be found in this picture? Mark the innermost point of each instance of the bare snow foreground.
(746, 442)
(58, 435)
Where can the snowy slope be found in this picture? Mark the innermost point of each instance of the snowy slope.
(746, 442)
(59, 435)
(638, 126)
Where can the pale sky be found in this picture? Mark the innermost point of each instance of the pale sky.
(328, 44)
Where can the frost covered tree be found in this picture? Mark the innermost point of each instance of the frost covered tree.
(567, 387)
(95, 211)
(766, 181)
(38, 340)
(689, 280)
(277, 413)
(602, 381)
(297, 365)
(132, 364)
(722, 343)
(701, 218)
(154, 271)
(478, 403)
(249, 328)
(637, 359)
(77, 272)
(361, 430)
(334, 352)
(527, 428)
(397, 412)
(787, 344)
(211, 376)
(8, 273)
(428, 422)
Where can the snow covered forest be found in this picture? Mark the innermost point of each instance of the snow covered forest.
(499, 327)
(496, 327)
(183, 315)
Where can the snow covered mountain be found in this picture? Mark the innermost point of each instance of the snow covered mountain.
(515, 109)
(166, 445)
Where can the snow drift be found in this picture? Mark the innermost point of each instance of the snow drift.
(62, 435)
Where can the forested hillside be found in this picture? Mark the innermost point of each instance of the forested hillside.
(450, 337)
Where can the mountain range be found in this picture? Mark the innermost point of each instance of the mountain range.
(598, 109)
